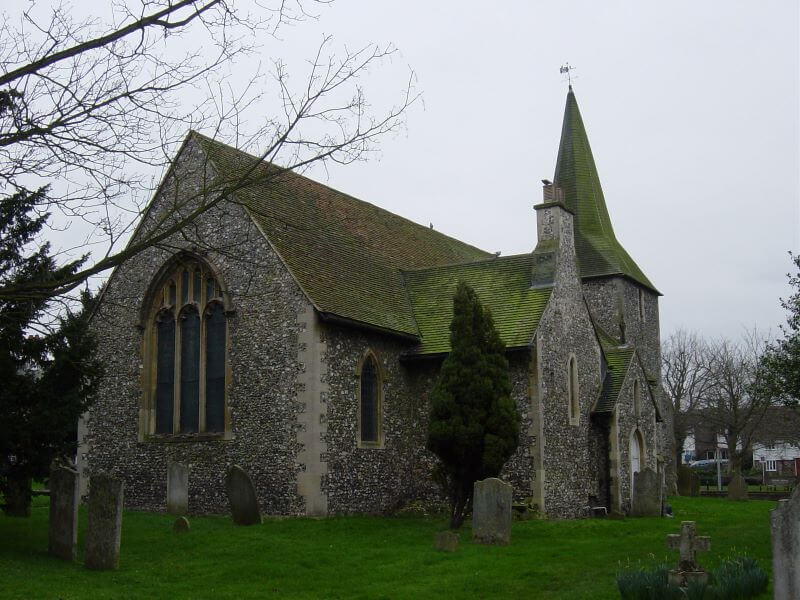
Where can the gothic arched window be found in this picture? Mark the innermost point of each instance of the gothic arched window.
(187, 352)
(572, 390)
(369, 392)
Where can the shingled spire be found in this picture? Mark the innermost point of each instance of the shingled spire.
(598, 251)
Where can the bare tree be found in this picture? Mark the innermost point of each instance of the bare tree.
(685, 380)
(91, 112)
(735, 404)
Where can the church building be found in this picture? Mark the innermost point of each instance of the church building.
(297, 332)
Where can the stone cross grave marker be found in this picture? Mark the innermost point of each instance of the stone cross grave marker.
(64, 500)
(491, 512)
(177, 488)
(646, 497)
(785, 534)
(688, 543)
(104, 529)
(242, 497)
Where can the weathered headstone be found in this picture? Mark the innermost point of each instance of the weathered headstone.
(64, 500)
(785, 532)
(688, 543)
(104, 529)
(181, 525)
(695, 486)
(242, 497)
(177, 488)
(737, 488)
(446, 541)
(685, 475)
(491, 512)
(646, 498)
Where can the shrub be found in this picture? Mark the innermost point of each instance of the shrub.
(642, 584)
(734, 579)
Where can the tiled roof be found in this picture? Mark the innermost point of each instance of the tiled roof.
(618, 361)
(598, 250)
(503, 285)
(346, 254)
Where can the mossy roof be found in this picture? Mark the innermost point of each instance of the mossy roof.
(503, 285)
(618, 362)
(346, 254)
(619, 358)
(598, 250)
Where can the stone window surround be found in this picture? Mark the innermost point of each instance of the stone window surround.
(150, 309)
(381, 376)
(637, 399)
(573, 391)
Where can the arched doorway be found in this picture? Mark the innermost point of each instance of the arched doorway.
(636, 454)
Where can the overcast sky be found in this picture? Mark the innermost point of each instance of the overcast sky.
(692, 110)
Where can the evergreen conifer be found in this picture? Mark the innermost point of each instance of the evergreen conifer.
(474, 426)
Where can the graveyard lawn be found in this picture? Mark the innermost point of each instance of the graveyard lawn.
(370, 557)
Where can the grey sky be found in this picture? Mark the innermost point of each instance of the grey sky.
(691, 108)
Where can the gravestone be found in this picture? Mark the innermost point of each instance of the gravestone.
(695, 489)
(646, 498)
(737, 488)
(491, 512)
(446, 541)
(181, 525)
(177, 488)
(686, 479)
(688, 543)
(64, 500)
(104, 529)
(785, 533)
(242, 497)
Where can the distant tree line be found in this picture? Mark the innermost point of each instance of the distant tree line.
(735, 388)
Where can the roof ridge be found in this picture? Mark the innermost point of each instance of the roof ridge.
(488, 259)
(291, 173)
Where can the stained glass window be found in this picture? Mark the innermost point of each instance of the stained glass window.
(215, 368)
(190, 318)
(190, 371)
(165, 371)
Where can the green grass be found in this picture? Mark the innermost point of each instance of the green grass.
(370, 557)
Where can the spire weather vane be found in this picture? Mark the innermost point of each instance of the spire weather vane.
(567, 70)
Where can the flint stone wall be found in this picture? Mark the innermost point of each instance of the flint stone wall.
(571, 475)
(383, 478)
(613, 300)
(262, 358)
(627, 422)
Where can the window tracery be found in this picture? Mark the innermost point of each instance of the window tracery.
(186, 352)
